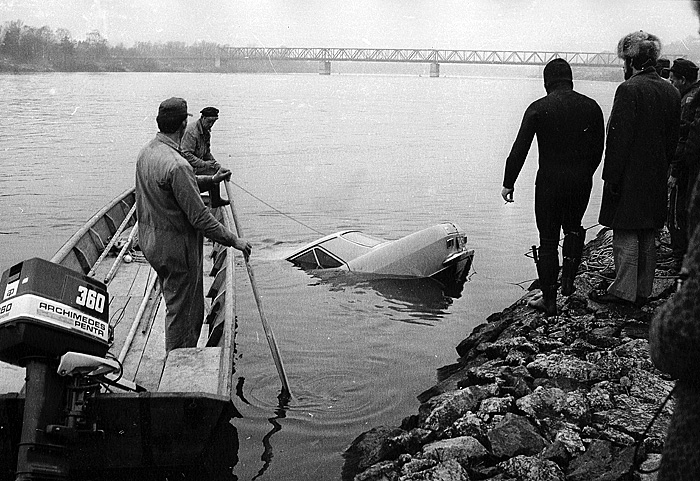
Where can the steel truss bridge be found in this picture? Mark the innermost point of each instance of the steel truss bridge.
(499, 57)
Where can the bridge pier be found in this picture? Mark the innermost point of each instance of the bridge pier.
(435, 69)
(324, 67)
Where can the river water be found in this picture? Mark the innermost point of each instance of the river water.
(312, 154)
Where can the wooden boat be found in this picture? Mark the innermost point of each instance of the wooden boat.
(158, 416)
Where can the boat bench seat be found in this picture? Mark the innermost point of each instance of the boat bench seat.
(191, 369)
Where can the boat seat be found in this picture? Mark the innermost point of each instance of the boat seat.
(191, 369)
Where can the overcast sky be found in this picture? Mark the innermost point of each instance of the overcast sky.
(564, 25)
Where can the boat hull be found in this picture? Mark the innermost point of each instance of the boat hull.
(172, 418)
(141, 436)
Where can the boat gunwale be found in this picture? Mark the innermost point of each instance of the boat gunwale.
(67, 247)
(227, 343)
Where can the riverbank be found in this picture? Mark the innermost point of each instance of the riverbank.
(197, 65)
(570, 397)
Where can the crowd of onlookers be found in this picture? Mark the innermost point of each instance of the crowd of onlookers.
(650, 174)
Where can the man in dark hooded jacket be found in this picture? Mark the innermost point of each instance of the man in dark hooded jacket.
(642, 136)
(570, 136)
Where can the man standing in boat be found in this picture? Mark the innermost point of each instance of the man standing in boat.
(196, 147)
(570, 137)
(173, 219)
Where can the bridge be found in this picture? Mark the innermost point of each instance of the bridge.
(434, 57)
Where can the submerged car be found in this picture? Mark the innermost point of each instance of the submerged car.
(439, 252)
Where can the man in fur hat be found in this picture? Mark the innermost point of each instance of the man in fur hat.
(642, 135)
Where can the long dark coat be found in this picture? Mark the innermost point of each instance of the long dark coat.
(674, 337)
(642, 135)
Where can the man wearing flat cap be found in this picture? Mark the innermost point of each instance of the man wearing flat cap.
(684, 166)
(196, 147)
(172, 222)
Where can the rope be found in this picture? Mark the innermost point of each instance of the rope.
(277, 210)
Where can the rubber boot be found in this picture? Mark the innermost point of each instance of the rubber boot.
(568, 274)
(547, 271)
(215, 199)
(572, 251)
(546, 303)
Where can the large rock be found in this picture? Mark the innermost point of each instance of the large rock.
(443, 410)
(483, 333)
(554, 402)
(370, 448)
(384, 471)
(532, 469)
(612, 365)
(601, 462)
(466, 450)
(469, 425)
(632, 416)
(647, 386)
(503, 347)
(450, 470)
(565, 366)
(515, 435)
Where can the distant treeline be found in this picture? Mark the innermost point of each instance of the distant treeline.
(26, 48)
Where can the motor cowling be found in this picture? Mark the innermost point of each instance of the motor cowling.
(47, 310)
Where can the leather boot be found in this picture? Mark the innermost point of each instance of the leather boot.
(572, 251)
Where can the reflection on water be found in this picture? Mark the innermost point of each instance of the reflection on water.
(421, 299)
(268, 452)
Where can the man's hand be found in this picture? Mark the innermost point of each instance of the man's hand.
(221, 174)
(507, 194)
(243, 246)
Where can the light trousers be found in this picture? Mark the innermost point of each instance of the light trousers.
(634, 252)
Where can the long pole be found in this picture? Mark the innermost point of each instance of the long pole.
(266, 327)
(112, 241)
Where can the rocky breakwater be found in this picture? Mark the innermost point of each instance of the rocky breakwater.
(570, 397)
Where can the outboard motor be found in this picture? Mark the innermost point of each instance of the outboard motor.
(54, 322)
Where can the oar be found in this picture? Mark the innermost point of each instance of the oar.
(122, 252)
(139, 315)
(112, 241)
(266, 327)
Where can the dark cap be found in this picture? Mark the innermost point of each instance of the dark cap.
(173, 107)
(210, 112)
(684, 68)
(663, 62)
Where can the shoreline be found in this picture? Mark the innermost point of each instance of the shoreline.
(601, 74)
(562, 398)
